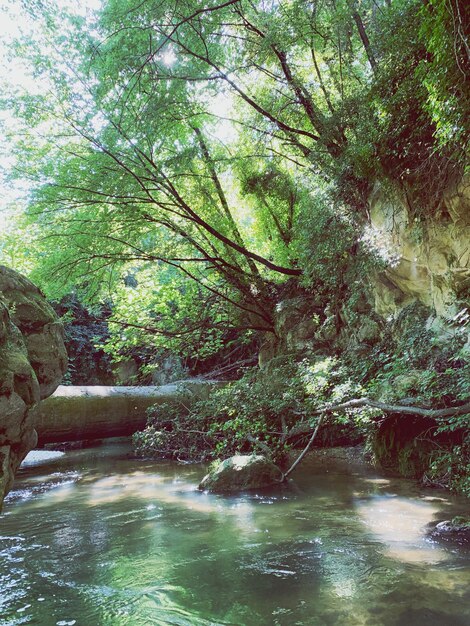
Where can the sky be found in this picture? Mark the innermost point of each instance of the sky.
(15, 74)
(11, 73)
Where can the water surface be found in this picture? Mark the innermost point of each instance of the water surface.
(96, 538)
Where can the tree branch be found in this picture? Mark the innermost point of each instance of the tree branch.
(305, 450)
(436, 414)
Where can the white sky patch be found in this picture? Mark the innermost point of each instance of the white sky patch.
(169, 57)
(222, 107)
(15, 75)
(81, 8)
(14, 72)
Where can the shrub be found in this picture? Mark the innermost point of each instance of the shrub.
(255, 413)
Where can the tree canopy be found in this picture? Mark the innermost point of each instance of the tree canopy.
(223, 149)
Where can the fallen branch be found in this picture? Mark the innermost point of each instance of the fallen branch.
(266, 449)
(303, 428)
(358, 402)
(305, 450)
(225, 369)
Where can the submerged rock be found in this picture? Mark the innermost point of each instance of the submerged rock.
(241, 473)
(456, 529)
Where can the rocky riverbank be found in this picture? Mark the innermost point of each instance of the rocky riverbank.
(32, 362)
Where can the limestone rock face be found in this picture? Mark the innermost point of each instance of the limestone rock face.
(296, 323)
(241, 473)
(431, 260)
(32, 362)
(296, 329)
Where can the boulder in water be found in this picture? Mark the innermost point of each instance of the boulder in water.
(455, 530)
(241, 473)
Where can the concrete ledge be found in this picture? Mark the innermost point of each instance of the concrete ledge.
(75, 413)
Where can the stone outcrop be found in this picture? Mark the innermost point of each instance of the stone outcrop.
(32, 362)
(303, 325)
(242, 473)
(427, 264)
(297, 328)
(429, 261)
(456, 530)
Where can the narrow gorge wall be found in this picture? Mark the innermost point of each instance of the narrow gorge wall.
(429, 259)
(32, 362)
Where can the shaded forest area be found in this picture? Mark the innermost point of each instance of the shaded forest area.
(252, 190)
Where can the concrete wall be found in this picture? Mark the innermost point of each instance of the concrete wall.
(77, 413)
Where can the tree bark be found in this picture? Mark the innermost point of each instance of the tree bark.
(363, 34)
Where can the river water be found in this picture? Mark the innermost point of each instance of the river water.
(96, 538)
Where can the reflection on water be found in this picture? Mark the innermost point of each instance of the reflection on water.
(94, 538)
(400, 524)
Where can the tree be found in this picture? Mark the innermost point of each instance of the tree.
(132, 170)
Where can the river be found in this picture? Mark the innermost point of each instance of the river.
(97, 538)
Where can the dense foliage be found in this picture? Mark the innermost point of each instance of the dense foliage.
(255, 413)
(86, 330)
(410, 365)
(213, 140)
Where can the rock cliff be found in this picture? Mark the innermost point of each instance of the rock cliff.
(429, 260)
(426, 264)
(32, 362)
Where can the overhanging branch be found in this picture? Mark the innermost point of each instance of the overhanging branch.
(402, 409)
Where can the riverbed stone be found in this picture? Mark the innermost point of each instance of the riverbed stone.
(454, 530)
(32, 362)
(241, 473)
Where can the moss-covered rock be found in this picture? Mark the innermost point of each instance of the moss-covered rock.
(40, 329)
(241, 473)
(32, 362)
